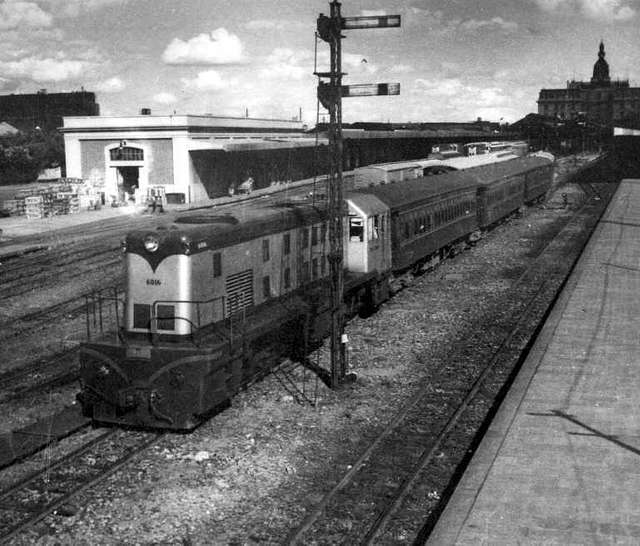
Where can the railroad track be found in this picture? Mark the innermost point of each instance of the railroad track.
(55, 485)
(81, 262)
(387, 491)
(40, 376)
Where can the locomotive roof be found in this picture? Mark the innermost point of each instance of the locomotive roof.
(400, 195)
(212, 229)
(487, 174)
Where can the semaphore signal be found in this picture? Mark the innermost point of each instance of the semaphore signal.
(330, 94)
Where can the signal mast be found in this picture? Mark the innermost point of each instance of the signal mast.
(330, 93)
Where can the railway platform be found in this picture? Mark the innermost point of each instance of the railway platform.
(560, 462)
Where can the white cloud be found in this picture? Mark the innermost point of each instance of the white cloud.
(217, 48)
(286, 64)
(112, 85)
(73, 8)
(264, 24)
(21, 15)
(599, 10)
(455, 98)
(496, 22)
(401, 68)
(606, 9)
(209, 80)
(44, 70)
(164, 98)
(551, 5)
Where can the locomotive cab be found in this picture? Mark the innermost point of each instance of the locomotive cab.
(369, 238)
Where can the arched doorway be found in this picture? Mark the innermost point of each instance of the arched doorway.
(127, 171)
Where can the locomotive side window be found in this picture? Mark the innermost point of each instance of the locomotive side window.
(287, 278)
(314, 268)
(166, 317)
(266, 286)
(304, 274)
(323, 265)
(265, 250)
(141, 315)
(305, 237)
(286, 243)
(314, 235)
(217, 264)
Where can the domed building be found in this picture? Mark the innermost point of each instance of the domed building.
(600, 100)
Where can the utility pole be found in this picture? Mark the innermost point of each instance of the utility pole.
(330, 93)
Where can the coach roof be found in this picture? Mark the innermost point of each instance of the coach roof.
(400, 195)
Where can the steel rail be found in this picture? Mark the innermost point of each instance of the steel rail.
(382, 518)
(76, 488)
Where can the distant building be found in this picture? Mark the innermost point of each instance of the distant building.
(601, 100)
(45, 110)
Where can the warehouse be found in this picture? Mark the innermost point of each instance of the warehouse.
(188, 158)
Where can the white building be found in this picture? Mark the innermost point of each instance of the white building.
(190, 158)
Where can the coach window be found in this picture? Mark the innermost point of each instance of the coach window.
(305, 272)
(323, 233)
(305, 237)
(314, 235)
(314, 268)
(287, 278)
(217, 264)
(406, 230)
(356, 229)
(265, 250)
(266, 286)
(286, 243)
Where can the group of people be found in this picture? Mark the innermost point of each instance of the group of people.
(246, 187)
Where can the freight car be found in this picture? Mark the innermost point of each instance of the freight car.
(213, 301)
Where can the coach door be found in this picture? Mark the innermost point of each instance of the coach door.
(368, 238)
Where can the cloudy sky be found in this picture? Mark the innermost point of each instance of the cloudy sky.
(456, 60)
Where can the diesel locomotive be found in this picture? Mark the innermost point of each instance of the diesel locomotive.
(213, 301)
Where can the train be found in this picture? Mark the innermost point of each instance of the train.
(213, 301)
(385, 173)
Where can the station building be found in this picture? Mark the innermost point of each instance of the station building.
(190, 158)
(600, 100)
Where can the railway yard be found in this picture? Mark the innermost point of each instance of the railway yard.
(290, 460)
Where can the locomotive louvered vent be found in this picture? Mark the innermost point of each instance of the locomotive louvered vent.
(208, 219)
(239, 291)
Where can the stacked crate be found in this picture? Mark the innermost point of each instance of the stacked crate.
(74, 204)
(34, 206)
(15, 207)
(62, 203)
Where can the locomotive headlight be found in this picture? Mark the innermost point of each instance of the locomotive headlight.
(186, 245)
(123, 247)
(151, 243)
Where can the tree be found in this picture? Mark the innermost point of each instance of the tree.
(23, 156)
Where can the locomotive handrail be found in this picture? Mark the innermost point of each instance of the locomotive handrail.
(96, 299)
(194, 327)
